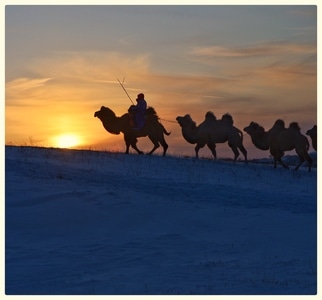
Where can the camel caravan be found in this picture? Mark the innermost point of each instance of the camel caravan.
(142, 121)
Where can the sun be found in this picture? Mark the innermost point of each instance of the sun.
(66, 141)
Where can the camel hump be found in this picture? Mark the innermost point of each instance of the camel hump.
(228, 118)
(279, 123)
(210, 116)
(295, 125)
(150, 111)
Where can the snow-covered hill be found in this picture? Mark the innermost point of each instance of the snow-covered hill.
(87, 222)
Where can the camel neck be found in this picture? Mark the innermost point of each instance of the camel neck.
(190, 135)
(112, 126)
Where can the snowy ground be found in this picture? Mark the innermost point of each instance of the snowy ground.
(100, 223)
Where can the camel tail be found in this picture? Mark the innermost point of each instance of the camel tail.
(241, 134)
(165, 132)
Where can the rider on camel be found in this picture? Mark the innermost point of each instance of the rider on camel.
(138, 111)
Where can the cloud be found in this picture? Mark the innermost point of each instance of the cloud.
(90, 66)
(24, 89)
(25, 84)
(257, 50)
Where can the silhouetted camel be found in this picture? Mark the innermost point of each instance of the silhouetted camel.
(280, 139)
(212, 131)
(152, 128)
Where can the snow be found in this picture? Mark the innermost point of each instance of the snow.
(101, 223)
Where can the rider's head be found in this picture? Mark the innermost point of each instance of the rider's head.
(140, 96)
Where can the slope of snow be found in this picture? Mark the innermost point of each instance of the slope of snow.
(101, 223)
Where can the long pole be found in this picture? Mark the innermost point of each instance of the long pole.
(125, 90)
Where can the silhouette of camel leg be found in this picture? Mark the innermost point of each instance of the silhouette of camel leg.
(212, 147)
(131, 141)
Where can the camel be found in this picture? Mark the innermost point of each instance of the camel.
(152, 128)
(312, 133)
(212, 131)
(280, 139)
(258, 135)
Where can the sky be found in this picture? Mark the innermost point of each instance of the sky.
(63, 62)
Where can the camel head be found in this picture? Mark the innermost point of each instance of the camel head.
(185, 121)
(104, 112)
(295, 125)
(254, 128)
(312, 132)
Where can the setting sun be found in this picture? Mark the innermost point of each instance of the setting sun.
(66, 141)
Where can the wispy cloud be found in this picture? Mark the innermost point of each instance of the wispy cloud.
(264, 49)
(24, 84)
(90, 65)
(22, 91)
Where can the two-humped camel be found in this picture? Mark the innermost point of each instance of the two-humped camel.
(280, 139)
(212, 131)
(152, 128)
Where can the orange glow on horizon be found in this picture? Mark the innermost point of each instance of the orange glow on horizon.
(66, 140)
(56, 110)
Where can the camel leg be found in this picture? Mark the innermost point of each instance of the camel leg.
(309, 160)
(235, 150)
(127, 140)
(163, 143)
(129, 143)
(197, 148)
(127, 147)
(155, 142)
(278, 154)
(165, 147)
(304, 157)
(131, 140)
(279, 159)
(300, 163)
(244, 151)
(156, 146)
(136, 149)
(212, 147)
